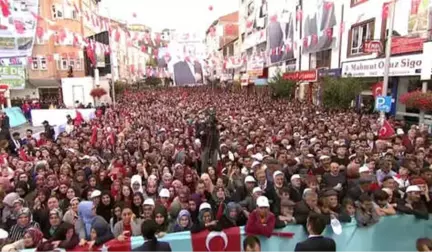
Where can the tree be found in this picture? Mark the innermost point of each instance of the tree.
(338, 93)
(281, 88)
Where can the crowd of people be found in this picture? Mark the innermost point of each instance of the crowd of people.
(278, 163)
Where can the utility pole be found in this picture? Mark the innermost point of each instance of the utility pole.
(391, 11)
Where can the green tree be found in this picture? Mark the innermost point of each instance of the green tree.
(338, 93)
(281, 88)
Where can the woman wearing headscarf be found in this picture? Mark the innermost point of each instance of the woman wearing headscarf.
(87, 216)
(117, 215)
(183, 222)
(232, 216)
(64, 237)
(71, 215)
(161, 219)
(205, 220)
(31, 239)
(128, 226)
(104, 208)
(23, 223)
(136, 184)
(189, 179)
(23, 189)
(55, 220)
(8, 207)
(100, 233)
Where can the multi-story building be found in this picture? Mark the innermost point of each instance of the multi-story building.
(56, 52)
(220, 37)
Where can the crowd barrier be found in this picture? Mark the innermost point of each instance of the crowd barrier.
(393, 233)
(58, 116)
(16, 116)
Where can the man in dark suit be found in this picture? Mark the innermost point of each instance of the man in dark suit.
(15, 143)
(316, 242)
(317, 25)
(149, 229)
(188, 71)
(5, 126)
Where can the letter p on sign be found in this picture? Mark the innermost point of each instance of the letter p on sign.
(383, 103)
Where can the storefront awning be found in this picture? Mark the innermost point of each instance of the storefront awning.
(43, 83)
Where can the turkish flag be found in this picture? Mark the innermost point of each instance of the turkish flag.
(377, 89)
(226, 240)
(415, 6)
(386, 131)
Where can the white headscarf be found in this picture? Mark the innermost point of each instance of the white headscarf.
(137, 179)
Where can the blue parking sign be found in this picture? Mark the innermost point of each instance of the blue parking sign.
(383, 103)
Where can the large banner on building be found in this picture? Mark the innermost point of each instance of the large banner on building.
(184, 58)
(17, 31)
(412, 24)
(255, 19)
(319, 19)
(280, 30)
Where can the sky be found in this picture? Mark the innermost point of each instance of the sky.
(182, 15)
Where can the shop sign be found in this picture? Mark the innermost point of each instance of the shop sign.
(409, 65)
(305, 76)
(372, 46)
(334, 72)
(402, 45)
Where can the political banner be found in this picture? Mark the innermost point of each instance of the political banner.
(13, 76)
(280, 30)
(17, 31)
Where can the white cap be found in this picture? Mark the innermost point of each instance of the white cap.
(387, 190)
(310, 155)
(256, 189)
(149, 202)
(258, 157)
(277, 173)
(324, 157)
(250, 146)
(164, 193)
(197, 141)
(400, 131)
(262, 201)
(268, 150)
(204, 205)
(313, 140)
(162, 130)
(364, 168)
(95, 193)
(250, 179)
(295, 176)
(413, 188)
(254, 163)
(3, 234)
(296, 134)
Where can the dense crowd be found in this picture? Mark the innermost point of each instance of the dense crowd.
(276, 164)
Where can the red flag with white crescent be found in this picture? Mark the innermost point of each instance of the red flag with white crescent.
(226, 240)
(386, 131)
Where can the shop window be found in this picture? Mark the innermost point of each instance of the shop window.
(358, 35)
(323, 58)
(43, 63)
(64, 64)
(72, 63)
(35, 63)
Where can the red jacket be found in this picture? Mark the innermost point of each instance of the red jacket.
(255, 227)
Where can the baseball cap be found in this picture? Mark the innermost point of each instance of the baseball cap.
(256, 189)
(250, 179)
(262, 201)
(277, 173)
(364, 168)
(95, 193)
(164, 193)
(204, 205)
(413, 188)
(149, 202)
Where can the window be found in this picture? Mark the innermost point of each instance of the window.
(323, 58)
(357, 2)
(64, 64)
(35, 63)
(43, 63)
(70, 13)
(57, 11)
(72, 63)
(358, 35)
(78, 64)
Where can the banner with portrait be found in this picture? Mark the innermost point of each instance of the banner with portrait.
(17, 31)
(184, 61)
(281, 30)
(318, 25)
